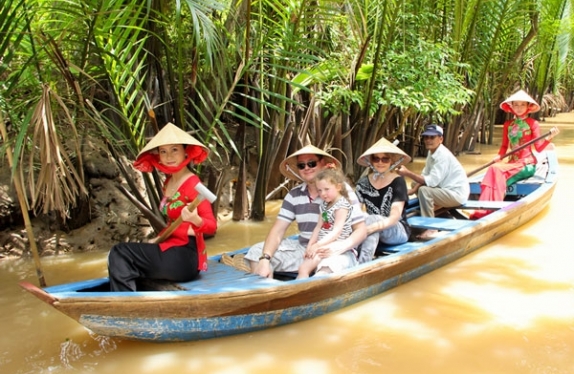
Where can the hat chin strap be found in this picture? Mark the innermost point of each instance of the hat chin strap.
(148, 160)
(376, 174)
(522, 116)
(172, 169)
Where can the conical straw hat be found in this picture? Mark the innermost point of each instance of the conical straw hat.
(288, 167)
(521, 95)
(384, 146)
(171, 134)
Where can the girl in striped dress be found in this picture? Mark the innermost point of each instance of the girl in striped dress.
(334, 224)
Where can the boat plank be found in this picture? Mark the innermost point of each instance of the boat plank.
(435, 223)
(225, 278)
(490, 205)
(384, 249)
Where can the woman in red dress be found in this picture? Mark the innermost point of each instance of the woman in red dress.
(182, 255)
(521, 164)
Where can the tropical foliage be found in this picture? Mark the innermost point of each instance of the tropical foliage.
(256, 80)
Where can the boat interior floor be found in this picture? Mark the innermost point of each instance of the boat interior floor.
(223, 272)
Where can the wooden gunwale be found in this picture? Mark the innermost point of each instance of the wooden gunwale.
(289, 294)
(137, 314)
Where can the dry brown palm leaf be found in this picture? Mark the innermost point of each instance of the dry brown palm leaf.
(58, 183)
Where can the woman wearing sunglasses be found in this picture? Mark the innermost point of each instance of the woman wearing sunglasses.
(302, 204)
(385, 197)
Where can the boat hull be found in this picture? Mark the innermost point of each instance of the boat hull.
(226, 301)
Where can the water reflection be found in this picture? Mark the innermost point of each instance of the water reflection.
(507, 308)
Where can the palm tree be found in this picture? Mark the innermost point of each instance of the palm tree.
(335, 74)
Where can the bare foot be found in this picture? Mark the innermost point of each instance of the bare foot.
(428, 235)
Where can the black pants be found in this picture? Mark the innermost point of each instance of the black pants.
(130, 261)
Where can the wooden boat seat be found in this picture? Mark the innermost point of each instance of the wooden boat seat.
(386, 249)
(418, 222)
(520, 188)
(225, 278)
(523, 187)
(488, 205)
(435, 223)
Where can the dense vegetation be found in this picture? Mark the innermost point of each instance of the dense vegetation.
(257, 79)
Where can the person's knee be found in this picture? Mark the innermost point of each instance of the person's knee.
(120, 253)
(372, 218)
(368, 247)
(425, 194)
(114, 253)
(254, 252)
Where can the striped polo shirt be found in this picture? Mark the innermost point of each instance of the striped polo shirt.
(299, 206)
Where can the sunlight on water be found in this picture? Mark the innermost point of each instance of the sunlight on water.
(511, 307)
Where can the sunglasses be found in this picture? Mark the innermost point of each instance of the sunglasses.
(310, 164)
(431, 137)
(384, 159)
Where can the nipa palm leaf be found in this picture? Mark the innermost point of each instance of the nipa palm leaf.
(56, 182)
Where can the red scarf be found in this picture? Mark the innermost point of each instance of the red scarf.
(150, 160)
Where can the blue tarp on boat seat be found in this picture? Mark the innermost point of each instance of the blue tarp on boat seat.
(385, 249)
(435, 223)
(225, 278)
(521, 188)
(418, 222)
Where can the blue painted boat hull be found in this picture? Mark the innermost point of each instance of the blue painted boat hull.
(226, 301)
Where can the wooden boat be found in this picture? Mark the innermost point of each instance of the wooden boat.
(226, 301)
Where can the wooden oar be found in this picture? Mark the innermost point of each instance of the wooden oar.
(204, 194)
(509, 153)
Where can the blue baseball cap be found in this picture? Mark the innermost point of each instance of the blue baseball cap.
(433, 130)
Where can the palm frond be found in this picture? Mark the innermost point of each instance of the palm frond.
(57, 183)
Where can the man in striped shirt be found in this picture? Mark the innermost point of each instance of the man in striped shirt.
(301, 204)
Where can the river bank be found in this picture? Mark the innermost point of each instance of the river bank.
(113, 218)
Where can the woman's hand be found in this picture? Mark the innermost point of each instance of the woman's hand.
(553, 132)
(192, 217)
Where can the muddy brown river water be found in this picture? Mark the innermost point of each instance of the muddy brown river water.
(506, 308)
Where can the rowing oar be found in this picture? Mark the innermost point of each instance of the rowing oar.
(203, 194)
(509, 153)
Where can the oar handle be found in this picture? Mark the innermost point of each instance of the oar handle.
(203, 194)
(509, 153)
(175, 224)
(399, 161)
